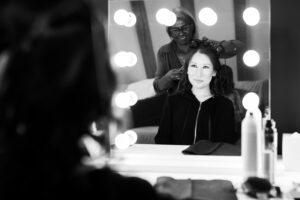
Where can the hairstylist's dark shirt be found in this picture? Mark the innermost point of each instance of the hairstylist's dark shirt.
(166, 60)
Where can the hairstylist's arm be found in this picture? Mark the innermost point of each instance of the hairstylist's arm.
(165, 82)
(164, 77)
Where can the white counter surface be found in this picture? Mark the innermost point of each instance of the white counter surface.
(151, 161)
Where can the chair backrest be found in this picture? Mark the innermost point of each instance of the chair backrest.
(144, 88)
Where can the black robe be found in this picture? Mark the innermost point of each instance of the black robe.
(212, 119)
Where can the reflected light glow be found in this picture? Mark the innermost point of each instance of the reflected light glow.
(251, 58)
(132, 136)
(133, 97)
(251, 16)
(166, 17)
(125, 59)
(125, 99)
(208, 16)
(124, 18)
(132, 59)
(122, 100)
(122, 141)
(250, 101)
(120, 16)
(131, 20)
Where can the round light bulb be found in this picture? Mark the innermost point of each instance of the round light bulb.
(251, 16)
(125, 59)
(133, 97)
(122, 100)
(122, 141)
(251, 58)
(131, 19)
(208, 16)
(121, 17)
(250, 101)
(131, 59)
(165, 17)
(132, 136)
(120, 59)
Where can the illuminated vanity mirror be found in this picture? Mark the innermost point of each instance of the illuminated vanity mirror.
(135, 35)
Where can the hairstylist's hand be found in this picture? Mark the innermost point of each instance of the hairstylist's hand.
(179, 189)
(175, 74)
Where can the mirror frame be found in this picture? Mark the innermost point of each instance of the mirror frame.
(245, 33)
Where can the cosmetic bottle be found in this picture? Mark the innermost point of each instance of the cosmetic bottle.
(252, 137)
(269, 151)
(251, 148)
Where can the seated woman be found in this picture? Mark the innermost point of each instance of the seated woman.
(198, 110)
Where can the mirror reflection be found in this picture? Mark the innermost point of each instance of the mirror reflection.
(140, 32)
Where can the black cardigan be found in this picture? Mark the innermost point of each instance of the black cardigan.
(215, 120)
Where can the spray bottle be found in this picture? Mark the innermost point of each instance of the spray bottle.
(252, 139)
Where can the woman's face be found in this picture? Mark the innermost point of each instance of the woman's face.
(200, 71)
(182, 31)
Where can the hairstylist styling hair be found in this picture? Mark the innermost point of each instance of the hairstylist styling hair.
(171, 57)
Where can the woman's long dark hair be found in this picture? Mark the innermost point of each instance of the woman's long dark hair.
(215, 85)
(57, 81)
(226, 80)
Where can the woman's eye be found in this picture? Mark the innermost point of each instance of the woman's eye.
(205, 67)
(193, 66)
